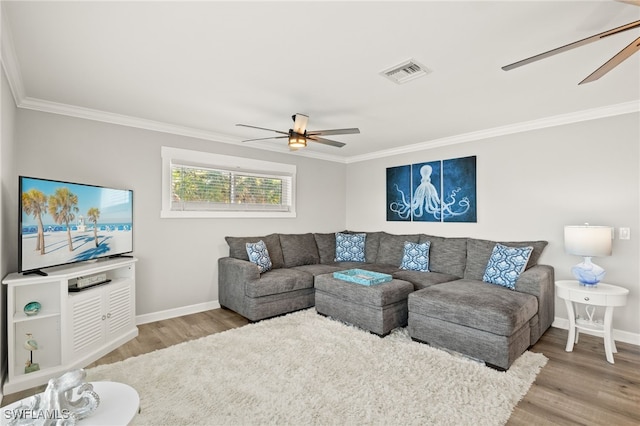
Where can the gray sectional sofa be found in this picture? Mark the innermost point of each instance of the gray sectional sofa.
(449, 307)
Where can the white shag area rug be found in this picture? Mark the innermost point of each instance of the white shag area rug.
(304, 368)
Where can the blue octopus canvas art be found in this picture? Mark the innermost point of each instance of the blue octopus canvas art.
(436, 191)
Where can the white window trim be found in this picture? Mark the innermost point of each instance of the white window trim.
(207, 159)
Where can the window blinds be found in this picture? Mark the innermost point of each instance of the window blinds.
(197, 188)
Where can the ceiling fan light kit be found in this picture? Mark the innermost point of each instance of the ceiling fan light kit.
(296, 140)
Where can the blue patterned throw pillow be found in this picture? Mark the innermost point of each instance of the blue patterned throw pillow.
(416, 256)
(350, 247)
(506, 264)
(259, 255)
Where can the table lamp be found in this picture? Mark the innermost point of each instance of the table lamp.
(588, 241)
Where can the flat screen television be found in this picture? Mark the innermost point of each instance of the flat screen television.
(64, 222)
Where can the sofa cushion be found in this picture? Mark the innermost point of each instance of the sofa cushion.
(506, 264)
(391, 248)
(299, 249)
(373, 267)
(318, 269)
(415, 257)
(382, 268)
(479, 252)
(259, 255)
(372, 245)
(422, 280)
(350, 247)
(238, 248)
(446, 255)
(350, 265)
(278, 281)
(475, 304)
(326, 247)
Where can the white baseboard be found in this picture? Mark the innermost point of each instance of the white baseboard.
(177, 312)
(618, 335)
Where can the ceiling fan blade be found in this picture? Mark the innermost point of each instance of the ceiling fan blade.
(613, 62)
(300, 123)
(573, 45)
(325, 141)
(264, 139)
(262, 128)
(334, 132)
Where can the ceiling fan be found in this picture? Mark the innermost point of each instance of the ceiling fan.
(625, 53)
(299, 135)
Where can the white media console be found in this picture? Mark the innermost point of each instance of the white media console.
(73, 327)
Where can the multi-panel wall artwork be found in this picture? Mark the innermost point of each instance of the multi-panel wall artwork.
(436, 191)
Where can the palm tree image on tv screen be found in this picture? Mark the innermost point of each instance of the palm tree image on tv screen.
(65, 222)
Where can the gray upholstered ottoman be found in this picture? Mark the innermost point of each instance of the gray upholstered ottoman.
(378, 308)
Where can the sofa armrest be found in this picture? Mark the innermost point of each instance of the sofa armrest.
(233, 274)
(240, 270)
(539, 281)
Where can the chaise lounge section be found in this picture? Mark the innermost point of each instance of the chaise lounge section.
(450, 306)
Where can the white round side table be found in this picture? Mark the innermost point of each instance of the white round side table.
(606, 295)
(119, 404)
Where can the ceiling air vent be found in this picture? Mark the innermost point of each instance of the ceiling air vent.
(406, 71)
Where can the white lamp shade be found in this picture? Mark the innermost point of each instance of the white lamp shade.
(587, 240)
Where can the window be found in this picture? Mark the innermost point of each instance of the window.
(201, 184)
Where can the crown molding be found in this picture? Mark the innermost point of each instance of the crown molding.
(157, 126)
(120, 119)
(527, 126)
(129, 121)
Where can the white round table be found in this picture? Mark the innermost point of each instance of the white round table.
(606, 295)
(119, 404)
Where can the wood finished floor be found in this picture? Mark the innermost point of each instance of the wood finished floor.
(579, 387)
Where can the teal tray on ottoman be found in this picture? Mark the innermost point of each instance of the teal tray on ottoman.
(360, 276)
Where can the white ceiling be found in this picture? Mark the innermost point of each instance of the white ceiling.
(198, 68)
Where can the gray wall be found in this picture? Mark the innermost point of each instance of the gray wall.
(8, 208)
(177, 257)
(529, 186)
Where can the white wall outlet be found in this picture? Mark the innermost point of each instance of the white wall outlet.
(625, 233)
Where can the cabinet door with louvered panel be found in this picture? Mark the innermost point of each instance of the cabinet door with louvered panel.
(119, 310)
(87, 322)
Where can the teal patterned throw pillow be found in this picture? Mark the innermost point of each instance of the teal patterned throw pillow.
(350, 247)
(259, 255)
(506, 264)
(416, 256)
